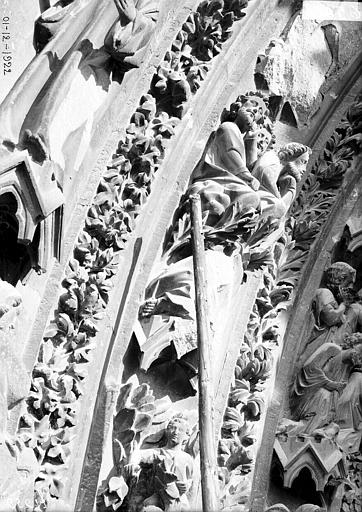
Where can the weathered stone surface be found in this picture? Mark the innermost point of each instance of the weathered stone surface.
(301, 65)
(20, 43)
(122, 157)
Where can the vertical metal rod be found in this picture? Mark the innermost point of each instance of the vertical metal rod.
(208, 466)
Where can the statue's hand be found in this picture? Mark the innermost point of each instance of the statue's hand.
(130, 470)
(148, 308)
(255, 184)
(126, 9)
(4, 308)
(181, 486)
(339, 386)
(253, 132)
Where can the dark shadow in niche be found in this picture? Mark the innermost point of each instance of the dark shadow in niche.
(16, 259)
(131, 359)
(260, 83)
(304, 488)
(287, 115)
(275, 104)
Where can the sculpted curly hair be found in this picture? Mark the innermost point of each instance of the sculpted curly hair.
(292, 151)
(181, 418)
(230, 115)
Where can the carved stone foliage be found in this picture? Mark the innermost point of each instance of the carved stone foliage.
(352, 497)
(316, 198)
(198, 42)
(243, 212)
(18, 467)
(59, 375)
(150, 465)
(306, 218)
(326, 426)
(240, 434)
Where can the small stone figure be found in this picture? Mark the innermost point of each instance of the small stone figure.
(328, 387)
(18, 464)
(337, 309)
(137, 21)
(278, 175)
(173, 470)
(11, 390)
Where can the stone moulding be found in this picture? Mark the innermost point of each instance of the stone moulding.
(58, 375)
(143, 255)
(330, 185)
(36, 198)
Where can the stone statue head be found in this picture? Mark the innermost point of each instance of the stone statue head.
(265, 140)
(340, 274)
(353, 343)
(294, 158)
(310, 507)
(177, 430)
(246, 110)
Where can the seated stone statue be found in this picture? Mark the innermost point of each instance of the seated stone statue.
(222, 176)
(233, 171)
(337, 309)
(223, 181)
(172, 467)
(317, 396)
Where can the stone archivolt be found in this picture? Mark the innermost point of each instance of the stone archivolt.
(60, 371)
(246, 227)
(326, 394)
(242, 215)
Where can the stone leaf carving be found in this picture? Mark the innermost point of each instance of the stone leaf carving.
(150, 468)
(200, 40)
(318, 193)
(244, 199)
(18, 464)
(307, 216)
(68, 341)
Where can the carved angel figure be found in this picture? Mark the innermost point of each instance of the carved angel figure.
(172, 470)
